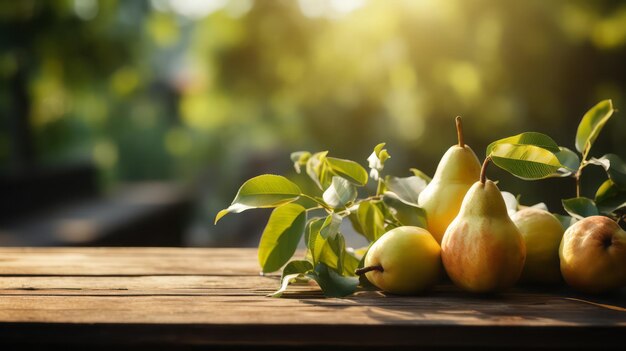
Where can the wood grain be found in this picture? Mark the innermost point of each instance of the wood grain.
(180, 297)
(125, 261)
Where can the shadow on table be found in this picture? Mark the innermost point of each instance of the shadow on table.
(449, 305)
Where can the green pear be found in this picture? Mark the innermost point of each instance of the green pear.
(593, 255)
(482, 249)
(405, 260)
(458, 169)
(542, 234)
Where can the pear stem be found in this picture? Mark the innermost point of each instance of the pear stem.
(364, 270)
(483, 170)
(459, 131)
(577, 178)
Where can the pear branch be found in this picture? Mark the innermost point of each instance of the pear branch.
(364, 270)
(459, 131)
(483, 170)
(322, 204)
(577, 178)
(578, 174)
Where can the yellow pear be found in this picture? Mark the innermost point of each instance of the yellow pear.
(405, 260)
(458, 169)
(542, 234)
(593, 255)
(482, 249)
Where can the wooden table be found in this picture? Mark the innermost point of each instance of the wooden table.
(171, 298)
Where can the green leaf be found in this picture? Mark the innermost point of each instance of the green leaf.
(338, 246)
(332, 251)
(312, 232)
(317, 169)
(371, 220)
(354, 220)
(379, 148)
(406, 189)
(294, 272)
(569, 159)
(349, 170)
(566, 221)
(281, 236)
(339, 193)
(331, 283)
(295, 267)
(525, 161)
(221, 214)
(407, 214)
(591, 124)
(580, 207)
(610, 198)
(614, 167)
(529, 138)
(331, 224)
(285, 281)
(416, 172)
(299, 159)
(349, 261)
(263, 191)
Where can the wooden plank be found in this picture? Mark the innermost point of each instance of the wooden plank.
(124, 261)
(216, 297)
(138, 285)
(242, 309)
(83, 299)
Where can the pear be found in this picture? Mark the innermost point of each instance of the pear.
(482, 249)
(458, 169)
(593, 255)
(542, 234)
(405, 260)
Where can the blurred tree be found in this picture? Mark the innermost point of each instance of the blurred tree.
(202, 90)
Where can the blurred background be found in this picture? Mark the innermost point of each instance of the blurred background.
(134, 122)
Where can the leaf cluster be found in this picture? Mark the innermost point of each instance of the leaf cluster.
(317, 218)
(534, 155)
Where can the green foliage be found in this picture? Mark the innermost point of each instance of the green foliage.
(416, 172)
(525, 161)
(529, 138)
(566, 221)
(293, 271)
(281, 236)
(327, 261)
(262, 192)
(317, 169)
(347, 169)
(615, 168)
(569, 160)
(371, 220)
(534, 156)
(591, 124)
(295, 267)
(580, 207)
(610, 198)
(339, 193)
(330, 227)
(332, 283)
(406, 189)
(407, 214)
(322, 169)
